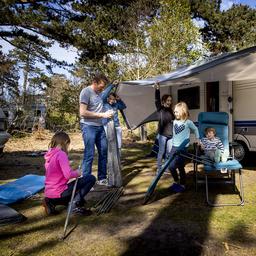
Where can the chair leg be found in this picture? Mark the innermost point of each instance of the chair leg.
(195, 175)
(241, 191)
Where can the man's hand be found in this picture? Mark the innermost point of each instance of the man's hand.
(108, 114)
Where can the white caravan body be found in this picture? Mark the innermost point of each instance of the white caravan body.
(226, 83)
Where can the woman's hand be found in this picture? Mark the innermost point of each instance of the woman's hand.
(157, 85)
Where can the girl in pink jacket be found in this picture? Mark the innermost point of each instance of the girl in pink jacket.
(58, 189)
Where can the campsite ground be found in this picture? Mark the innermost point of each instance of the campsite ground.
(172, 224)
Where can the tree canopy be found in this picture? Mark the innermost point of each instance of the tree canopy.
(227, 30)
(87, 25)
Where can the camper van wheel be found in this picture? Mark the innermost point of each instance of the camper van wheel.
(240, 150)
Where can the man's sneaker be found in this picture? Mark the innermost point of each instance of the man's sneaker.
(49, 207)
(103, 182)
(78, 203)
(81, 211)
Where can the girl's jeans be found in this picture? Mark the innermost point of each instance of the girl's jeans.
(177, 163)
(94, 135)
(84, 185)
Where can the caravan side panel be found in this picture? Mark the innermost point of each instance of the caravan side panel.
(244, 104)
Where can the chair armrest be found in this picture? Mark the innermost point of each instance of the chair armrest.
(197, 149)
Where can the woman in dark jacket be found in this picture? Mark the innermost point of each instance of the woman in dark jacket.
(165, 117)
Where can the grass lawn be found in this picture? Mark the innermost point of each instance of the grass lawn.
(171, 224)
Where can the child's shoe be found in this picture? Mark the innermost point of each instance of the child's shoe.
(174, 187)
(180, 188)
(81, 211)
(49, 207)
(223, 170)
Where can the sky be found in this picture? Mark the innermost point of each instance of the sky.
(70, 55)
(226, 4)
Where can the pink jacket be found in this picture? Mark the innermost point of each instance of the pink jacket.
(58, 172)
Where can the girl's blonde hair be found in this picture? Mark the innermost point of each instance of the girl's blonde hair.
(183, 109)
(60, 139)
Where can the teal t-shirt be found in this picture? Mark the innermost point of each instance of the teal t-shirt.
(181, 131)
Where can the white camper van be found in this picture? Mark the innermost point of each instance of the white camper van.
(226, 83)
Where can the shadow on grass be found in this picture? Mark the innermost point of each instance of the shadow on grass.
(33, 225)
(240, 233)
(41, 247)
(181, 227)
(174, 231)
(249, 162)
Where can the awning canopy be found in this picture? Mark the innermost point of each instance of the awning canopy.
(138, 95)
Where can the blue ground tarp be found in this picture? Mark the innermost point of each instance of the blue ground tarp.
(9, 215)
(21, 188)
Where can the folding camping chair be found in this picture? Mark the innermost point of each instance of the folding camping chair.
(212, 171)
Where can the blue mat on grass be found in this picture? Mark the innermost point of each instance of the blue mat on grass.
(9, 215)
(21, 188)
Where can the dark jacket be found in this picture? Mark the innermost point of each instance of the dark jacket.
(165, 117)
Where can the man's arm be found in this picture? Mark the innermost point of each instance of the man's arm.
(84, 112)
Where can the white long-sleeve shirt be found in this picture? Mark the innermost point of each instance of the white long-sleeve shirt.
(212, 144)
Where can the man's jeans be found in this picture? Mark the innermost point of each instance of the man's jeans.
(94, 135)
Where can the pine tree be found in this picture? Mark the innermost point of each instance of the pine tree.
(225, 31)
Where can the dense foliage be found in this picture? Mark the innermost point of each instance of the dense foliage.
(225, 31)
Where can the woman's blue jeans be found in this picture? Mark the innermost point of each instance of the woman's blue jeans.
(94, 135)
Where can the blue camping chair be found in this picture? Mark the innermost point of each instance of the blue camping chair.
(212, 171)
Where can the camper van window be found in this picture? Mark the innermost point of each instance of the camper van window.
(191, 96)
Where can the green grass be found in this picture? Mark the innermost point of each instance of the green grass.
(172, 224)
